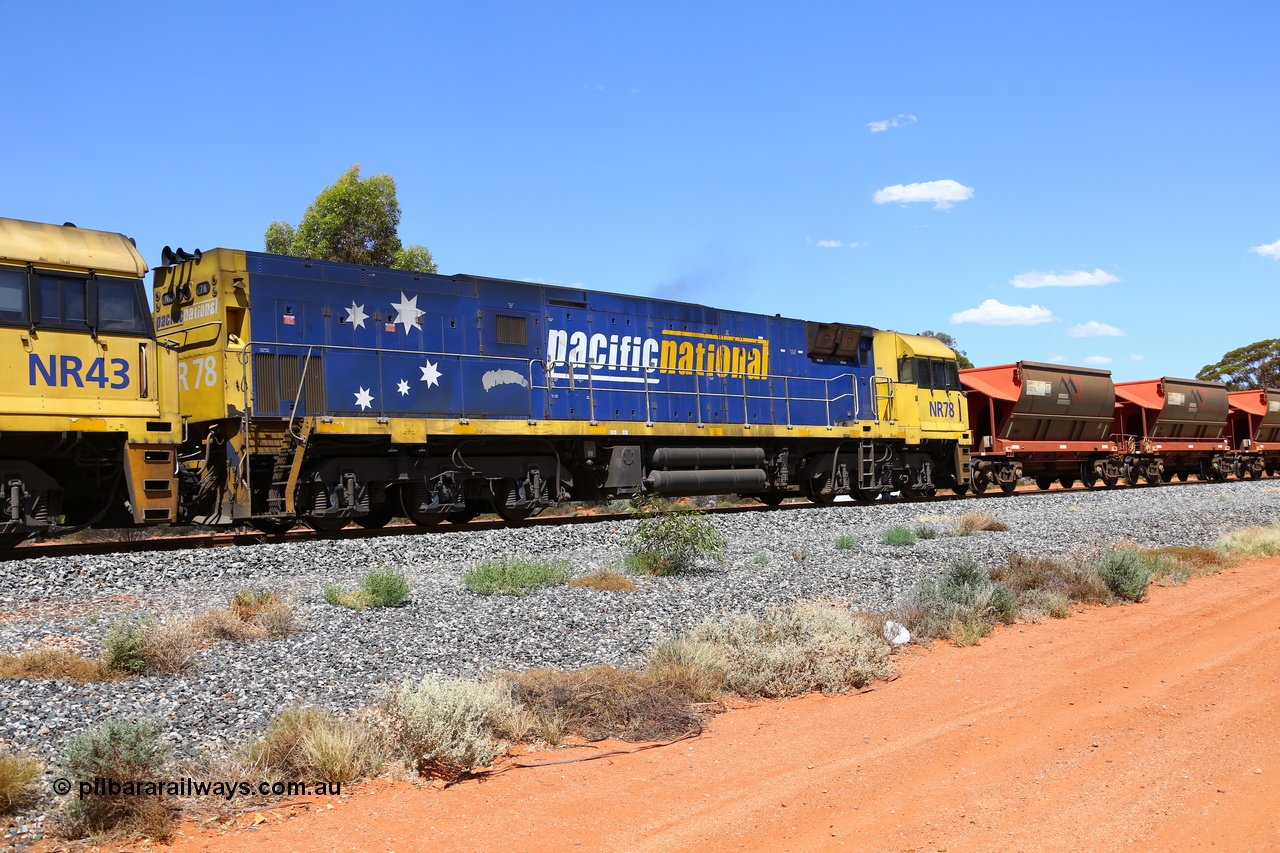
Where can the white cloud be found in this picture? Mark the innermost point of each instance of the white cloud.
(900, 120)
(1271, 250)
(1094, 329)
(1096, 359)
(1058, 359)
(831, 244)
(993, 313)
(1071, 278)
(1137, 357)
(942, 193)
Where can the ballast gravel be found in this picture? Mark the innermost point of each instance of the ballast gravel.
(343, 659)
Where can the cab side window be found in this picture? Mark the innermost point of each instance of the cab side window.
(62, 301)
(13, 296)
(118, 309)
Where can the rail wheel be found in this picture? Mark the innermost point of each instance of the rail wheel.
(979, 484)
(414, 503)
(321, 524)
(1008, 487)
(1110, 482)
(1067, 482)
(1183, 476)
(770, 498)
(1132, 476)
(1271, 472)
(1044, 482)
(273, 526)
(1167, 476)
(11, 540)
(502, 493)
(960, 490)
(461, 516)
(813, 490)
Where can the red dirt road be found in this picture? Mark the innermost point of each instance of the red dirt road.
(1149, 727)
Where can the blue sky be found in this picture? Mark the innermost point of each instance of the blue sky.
(1121, 158)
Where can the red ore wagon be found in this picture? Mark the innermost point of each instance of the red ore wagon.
(1044, 421)
(1170, 427)
(1254, 429)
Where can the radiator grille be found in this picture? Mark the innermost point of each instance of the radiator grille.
(276, 380)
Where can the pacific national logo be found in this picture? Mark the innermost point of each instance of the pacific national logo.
(632, 358)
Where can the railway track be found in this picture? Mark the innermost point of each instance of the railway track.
(32, 550)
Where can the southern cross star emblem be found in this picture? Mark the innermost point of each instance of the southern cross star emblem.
(403, 388)
(407, 311)
(430, 374)
(356, 315)
(363, 398)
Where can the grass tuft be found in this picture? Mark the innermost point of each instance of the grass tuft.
(607, 580)
(169, 648)
(377, 589)
(514, 575)
(846, 542)
(52, 663)
(1252, 542)
(924, 531)
(18, 775)
(898, 535)
(962, 605)
(308, 743)
(976, 522)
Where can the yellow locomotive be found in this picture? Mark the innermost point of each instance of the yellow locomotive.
(89, 424)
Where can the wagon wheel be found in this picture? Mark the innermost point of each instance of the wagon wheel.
(1167, 476)
(960, 490)
(273, 526)
(1067, 482)
(925, 492)
(1044, 482)
(1009, 487)
(1090, 479)
(979, 484)
(1132, 475)
(1183, 476)
(1110, 481)
(321, 524)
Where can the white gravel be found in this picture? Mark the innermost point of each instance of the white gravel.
(342, 659)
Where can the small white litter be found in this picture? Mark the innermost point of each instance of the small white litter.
(896, 633)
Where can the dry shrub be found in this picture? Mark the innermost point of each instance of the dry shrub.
(448, 726)
(602, 702)
(169, 648)
(18, 774)
(1174, 564)
(975, 522)
(793, 650)
(250, 615)
(123, 750)
(607, 580)
(49, 662)
(1252, 542)
(1035, 604)
(1073, 578)
(689, 669)
(962, 605)
(311, 744)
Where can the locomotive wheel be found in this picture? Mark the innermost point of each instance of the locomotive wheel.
(409, 506)
(273, 526)
(11, 540)
(1043, 482)
(1067, 482)
(510, 513)
(926, 492)
(325, 525)
(769, 498)
(1009, 487)
(813, 491)
(376, 518)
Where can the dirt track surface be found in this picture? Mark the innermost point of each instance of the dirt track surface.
(1149, 727)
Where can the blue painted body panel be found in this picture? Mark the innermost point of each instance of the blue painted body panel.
(588, 355)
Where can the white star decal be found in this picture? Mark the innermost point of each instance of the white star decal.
(403, 388)
(430, 374)
(363, 398)
(407, 311)
(356, 315)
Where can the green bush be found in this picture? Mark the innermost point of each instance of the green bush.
(924, 531)
(846, 542)
(514, 575)
(898, 535)
(125, 648)
(124, 750)
(385, 589)
(962, 605)
(671, 541)
(1126, 572)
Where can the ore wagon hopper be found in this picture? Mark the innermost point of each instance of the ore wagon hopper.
(1045, 421)
(1254, 428)
(1173, 427)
